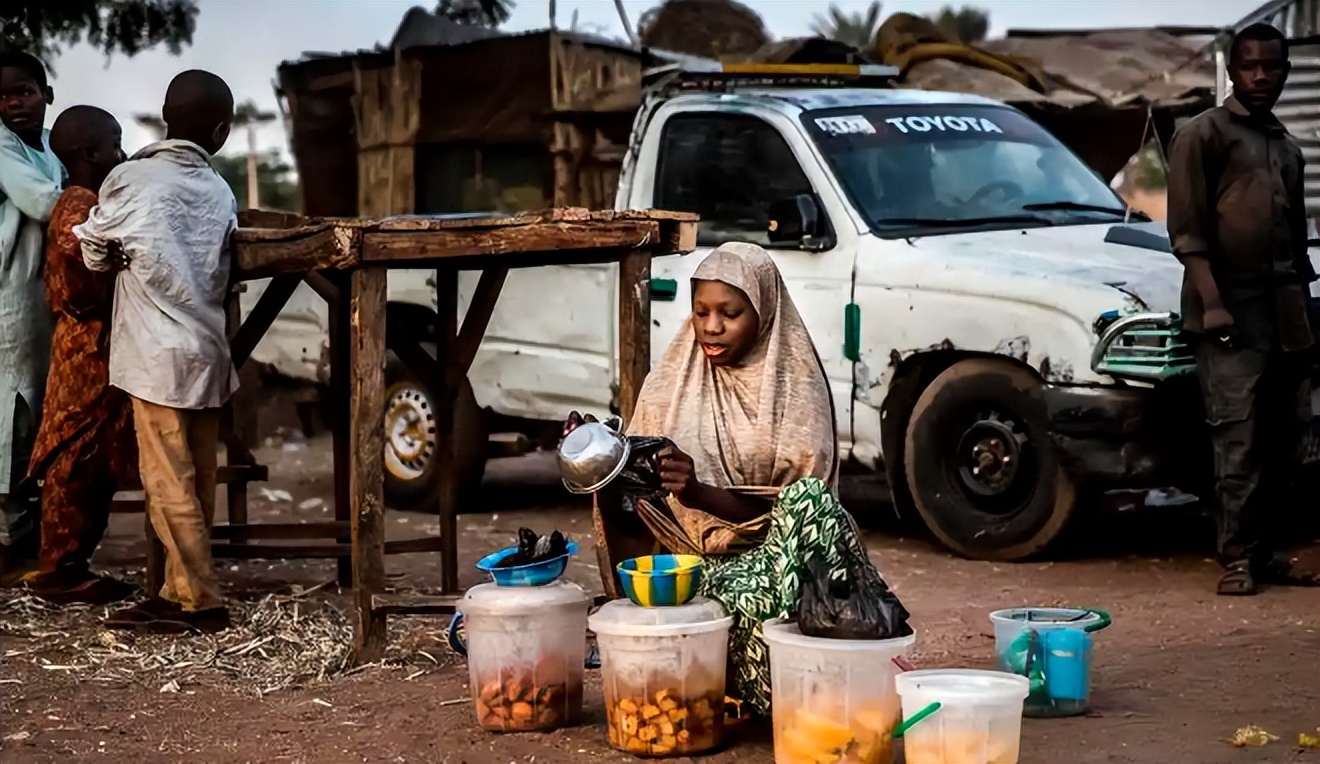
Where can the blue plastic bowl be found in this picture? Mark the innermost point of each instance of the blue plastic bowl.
(534, 574)
(661, 580)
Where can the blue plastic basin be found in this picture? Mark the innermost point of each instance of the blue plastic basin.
(533, 574)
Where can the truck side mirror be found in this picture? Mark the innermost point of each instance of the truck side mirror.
(797, 222)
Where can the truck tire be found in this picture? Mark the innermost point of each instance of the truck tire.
(983, 472)
(412, 480)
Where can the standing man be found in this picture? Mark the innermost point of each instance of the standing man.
(30, 183)
(166, 216)
(1238, 224)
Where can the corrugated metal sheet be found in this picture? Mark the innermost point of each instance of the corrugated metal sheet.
(1299, 110)
(1295, 18)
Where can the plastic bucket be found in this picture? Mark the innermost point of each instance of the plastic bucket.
(832, 695)
(663, 672)
(525, 654)
(1052, 648)
(979, 719)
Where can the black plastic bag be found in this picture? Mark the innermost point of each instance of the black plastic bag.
(533, 548)
(856, 605)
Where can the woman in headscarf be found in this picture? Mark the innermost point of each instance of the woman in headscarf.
(742, 394)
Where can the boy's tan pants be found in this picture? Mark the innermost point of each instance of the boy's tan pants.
(177, 456)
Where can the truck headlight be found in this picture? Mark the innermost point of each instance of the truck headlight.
(1142, 346)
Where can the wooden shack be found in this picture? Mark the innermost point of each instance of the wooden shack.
(507, 123)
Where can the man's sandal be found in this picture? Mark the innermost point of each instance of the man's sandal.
(1237, 581)
(1280, 571)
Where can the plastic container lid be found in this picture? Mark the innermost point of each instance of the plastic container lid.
(621, 618)
(783, 632)
(966, 686)
(495, 600)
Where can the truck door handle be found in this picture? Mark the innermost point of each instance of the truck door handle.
(663, 290)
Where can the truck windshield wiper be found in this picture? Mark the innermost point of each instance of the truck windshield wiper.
(961, 222)
(1080, 207)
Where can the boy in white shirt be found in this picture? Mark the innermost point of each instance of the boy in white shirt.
(166, 216)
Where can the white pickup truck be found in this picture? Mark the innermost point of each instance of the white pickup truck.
(998, 331)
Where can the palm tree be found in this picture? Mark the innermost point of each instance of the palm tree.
(248, 115)
(484, 13)
(856, 29)
(965, 24)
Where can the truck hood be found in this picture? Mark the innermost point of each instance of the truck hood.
(1077, 255)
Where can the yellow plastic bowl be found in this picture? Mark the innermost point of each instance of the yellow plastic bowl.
(661, 580)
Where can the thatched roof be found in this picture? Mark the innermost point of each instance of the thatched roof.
(710, 28)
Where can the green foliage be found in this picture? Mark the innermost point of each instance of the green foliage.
(856, 29)
(965, 24)
(483, 13)
(44, 27)
(277, 191)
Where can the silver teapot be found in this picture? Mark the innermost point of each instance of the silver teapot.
(591, 456)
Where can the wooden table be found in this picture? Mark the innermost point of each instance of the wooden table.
(346, 261)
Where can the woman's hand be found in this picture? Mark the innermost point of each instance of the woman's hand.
(678, 474)
(576, 420)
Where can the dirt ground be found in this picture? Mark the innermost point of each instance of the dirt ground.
(1176, 675)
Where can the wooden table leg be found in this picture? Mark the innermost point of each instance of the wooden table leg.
(340, 375)
(446, 392)
(634, 328)
(366, 351)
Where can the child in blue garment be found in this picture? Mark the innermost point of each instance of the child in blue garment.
(31, 180)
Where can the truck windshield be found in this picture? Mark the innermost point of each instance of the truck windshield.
(927, 169)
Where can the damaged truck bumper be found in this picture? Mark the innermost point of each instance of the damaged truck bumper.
(1131, 437)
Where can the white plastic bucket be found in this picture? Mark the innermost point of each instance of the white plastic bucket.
(832, 695)
(979, 720)
(663, 671)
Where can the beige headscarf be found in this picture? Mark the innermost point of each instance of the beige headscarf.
(755, 427)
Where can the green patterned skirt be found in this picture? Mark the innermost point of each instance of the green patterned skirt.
(756, 586)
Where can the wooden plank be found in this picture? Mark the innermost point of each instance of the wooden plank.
(634, 328)
(224, 551)
(366, 357)
(262, 252)
(127, 506)
(413, 355)
(241, 473)
(524, 240)
(677, 237)
(263, 314)
(415, 545)
(284, 531)
(404, 246)
(445, 386)
(478, 316)
(323, 286)
(276, 219)
(415, 604)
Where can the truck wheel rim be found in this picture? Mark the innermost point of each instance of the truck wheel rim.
(409, 433)
(989, 458)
